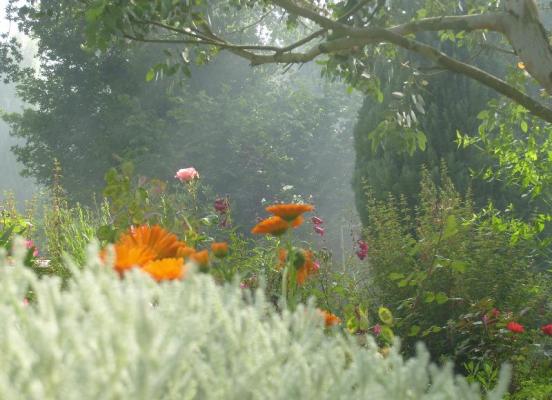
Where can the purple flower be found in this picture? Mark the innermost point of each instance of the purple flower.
(222, 205)
(318, 229)
(485, 319)
(377, 329)
(317, 221)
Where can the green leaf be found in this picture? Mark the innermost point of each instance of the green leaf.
(387, 334)
(385, 315)
(483, 115)
(414, 330)
(422, 140)
(458, 266)
(441, 298)
(352, 324)
(107, 233)
(150, 75)
(451, 227)
(429, 297)
(524, 127)
(403, 283)
(395, 276)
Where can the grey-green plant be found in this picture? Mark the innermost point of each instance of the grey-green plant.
(109, 338)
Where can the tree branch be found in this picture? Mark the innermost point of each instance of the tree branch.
(475, 73)
(521, 27)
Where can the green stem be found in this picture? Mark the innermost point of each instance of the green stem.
(284, 287)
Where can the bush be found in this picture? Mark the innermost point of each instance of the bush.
(110, 338)
(440, 270)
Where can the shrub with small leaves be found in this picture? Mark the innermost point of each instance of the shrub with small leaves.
(103, 337)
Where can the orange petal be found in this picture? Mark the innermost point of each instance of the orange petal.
(273, 225)
(166, 269)
(289, 212)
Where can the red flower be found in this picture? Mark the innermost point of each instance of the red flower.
(547, 329)
(362, 251)
(515, 327)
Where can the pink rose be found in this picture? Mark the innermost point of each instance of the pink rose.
(315, 266)
(29, 244)
(186, 174)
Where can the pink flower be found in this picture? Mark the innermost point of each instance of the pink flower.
(317, 221)
(318, 229)
(25, 302)
(186, 174)
(547, 329)
(495, 312)
(29, 244)
(377, 329)
(315, 266)
(485, 319)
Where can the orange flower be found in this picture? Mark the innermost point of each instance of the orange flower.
(297, 221)
(166, 269)
(282, 258)
(162, 242)
(306, 269)
(201, 258)
(289, 212)
(329, 318)
(273, 225)
(131, 256)
(185, 252)
(220, 249)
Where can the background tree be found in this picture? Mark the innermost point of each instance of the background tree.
(249, 133)
(444, 105)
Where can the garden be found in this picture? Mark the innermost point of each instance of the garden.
(276, 199)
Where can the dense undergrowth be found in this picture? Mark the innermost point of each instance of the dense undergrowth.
(477, 297)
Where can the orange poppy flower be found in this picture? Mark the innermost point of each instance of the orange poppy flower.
(127, 257)
(329, 318)
(165, 269)
(276, 226)
(201, 258)
(297, 221)
(162, 242)
(273, 225)
(289, 212)
(306, 269)
(220, 249)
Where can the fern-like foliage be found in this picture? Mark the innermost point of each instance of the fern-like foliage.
(106, 338)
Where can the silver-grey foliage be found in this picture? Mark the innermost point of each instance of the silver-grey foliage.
(107, 338)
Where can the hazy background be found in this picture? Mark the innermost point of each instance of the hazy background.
(10, 178)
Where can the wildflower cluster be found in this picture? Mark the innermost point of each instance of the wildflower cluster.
(159, 253)
(297, 264)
